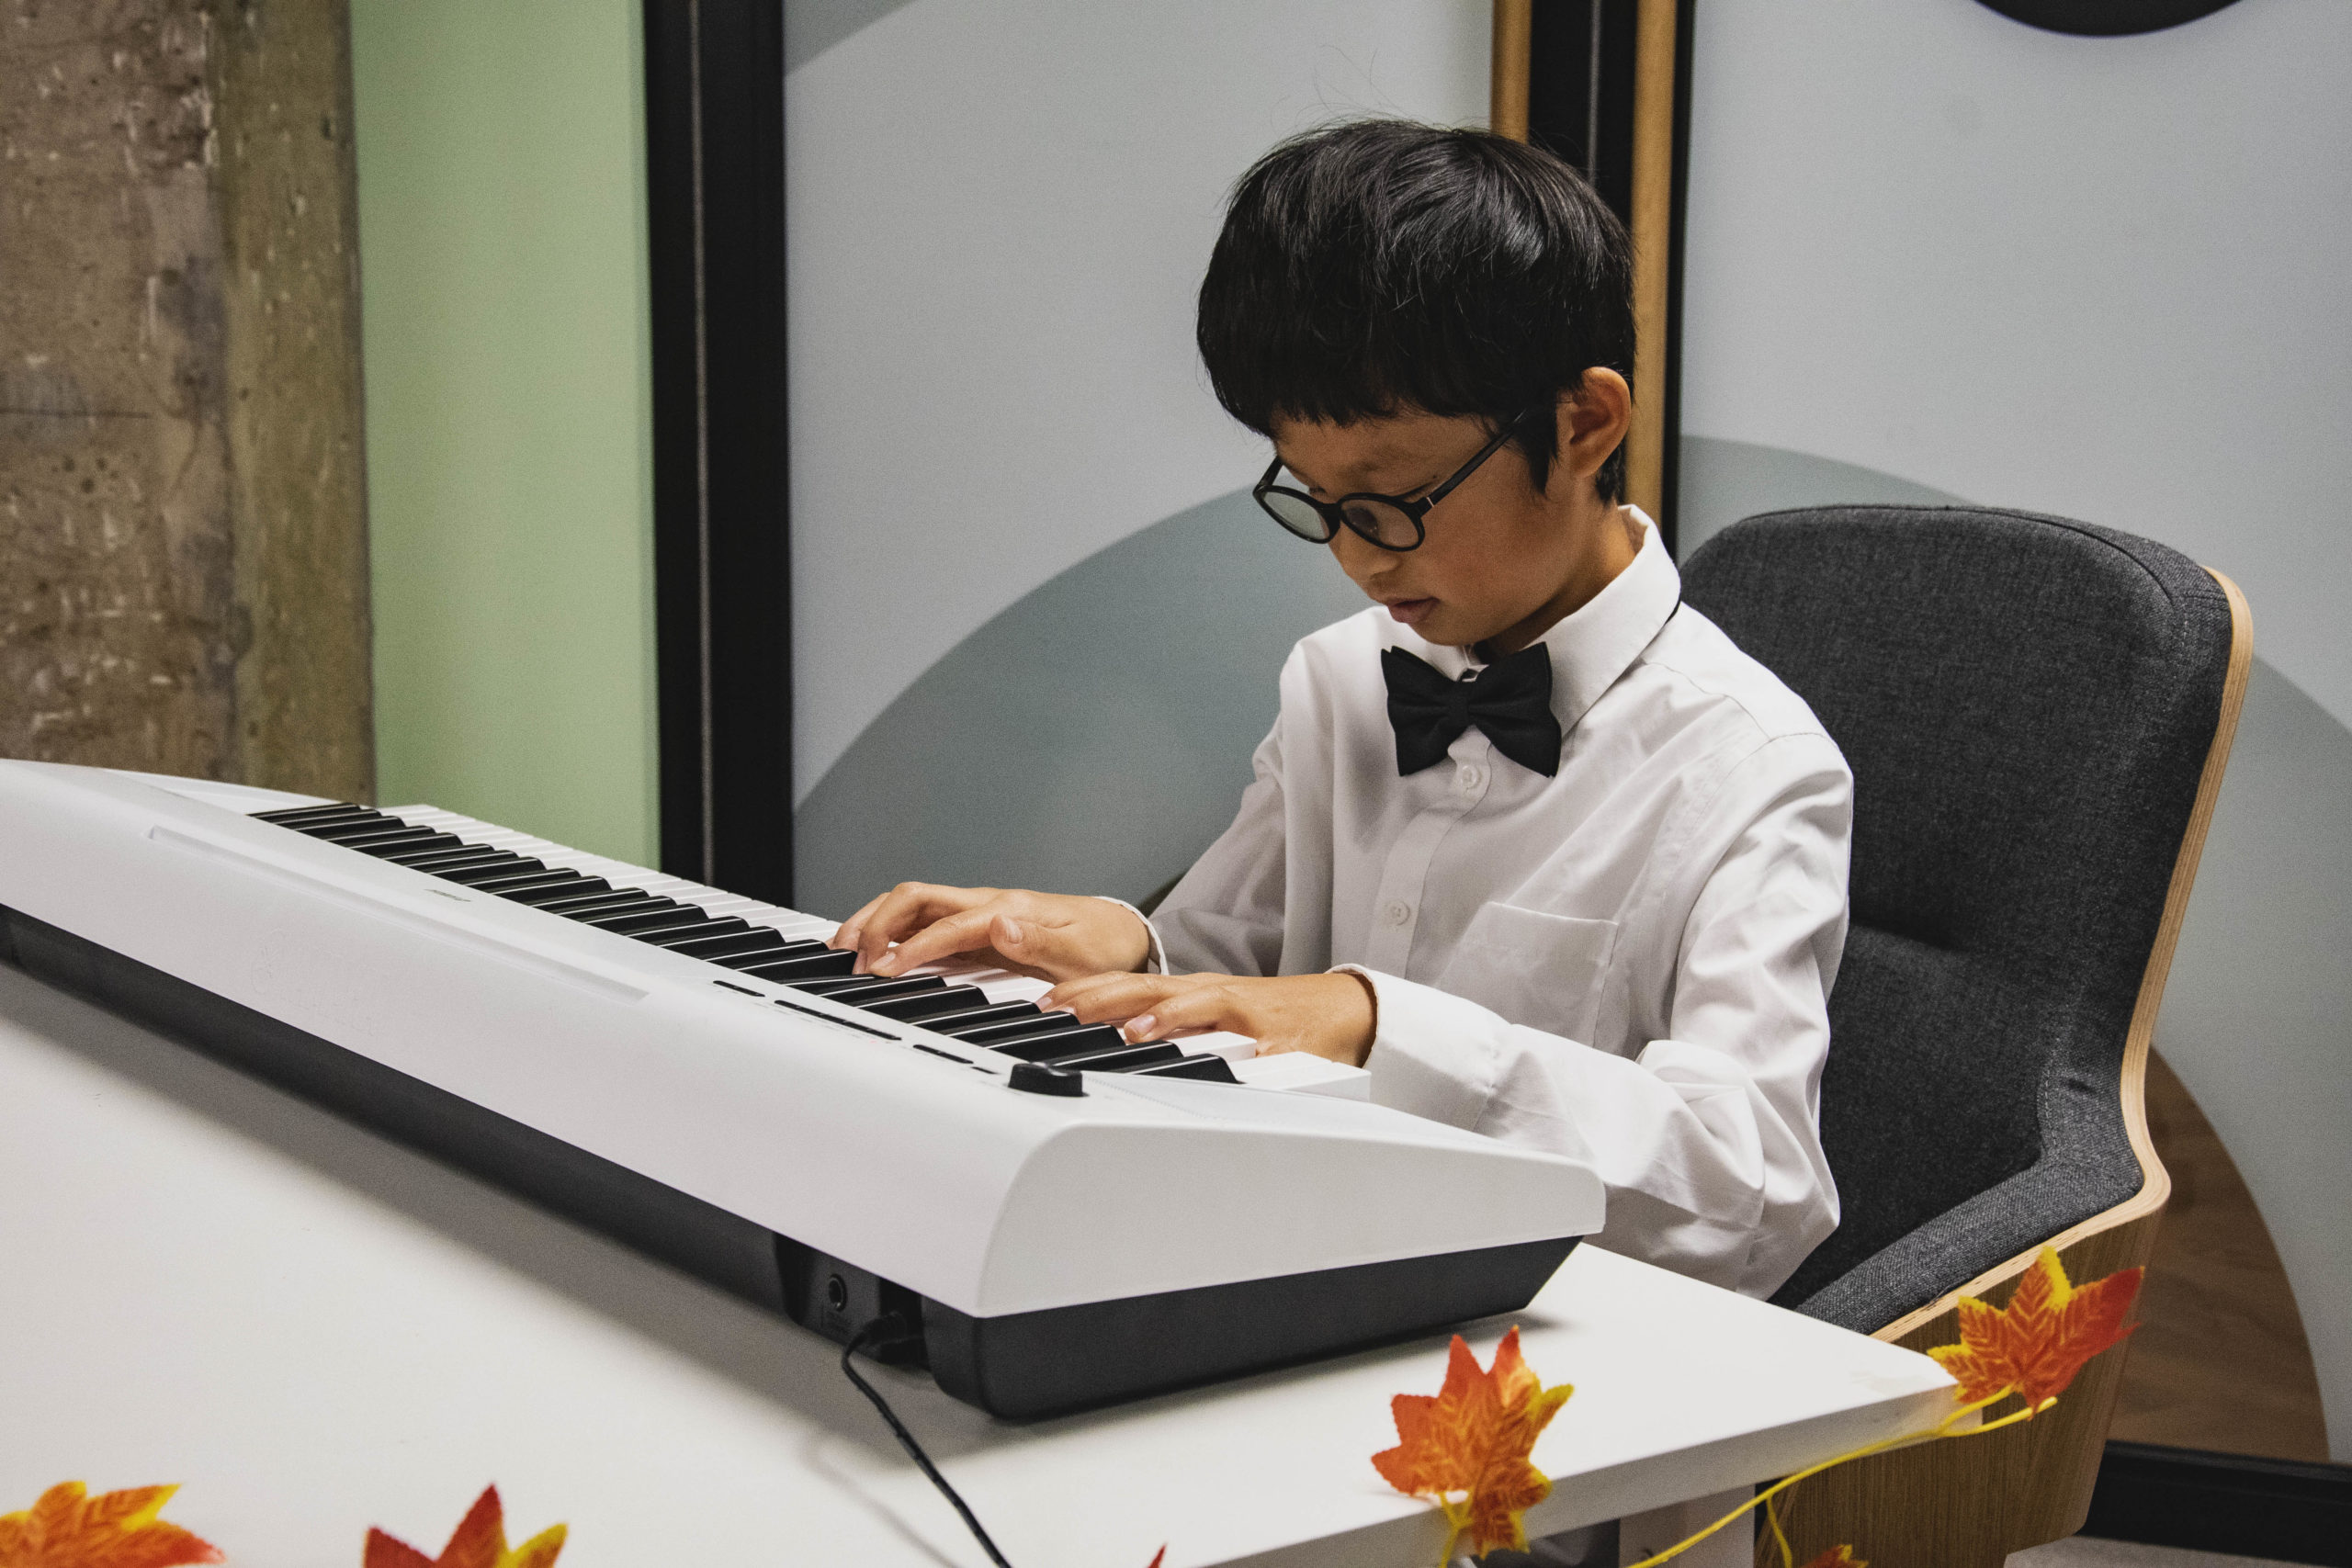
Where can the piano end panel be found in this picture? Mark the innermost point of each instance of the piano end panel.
(707, 1241)
(1025, 1365)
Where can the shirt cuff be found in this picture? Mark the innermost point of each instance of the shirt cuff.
(1154, 962)
(1433, 1055)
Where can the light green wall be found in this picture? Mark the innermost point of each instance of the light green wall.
(503, 248)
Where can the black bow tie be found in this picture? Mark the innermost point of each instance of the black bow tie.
(1510, 700)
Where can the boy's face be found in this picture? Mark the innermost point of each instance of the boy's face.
(1502, 560)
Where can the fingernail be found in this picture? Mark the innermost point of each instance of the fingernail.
(884, 965)
(1141, 1028)
(1013, 932)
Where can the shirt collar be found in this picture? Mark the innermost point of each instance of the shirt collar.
(1595, 643)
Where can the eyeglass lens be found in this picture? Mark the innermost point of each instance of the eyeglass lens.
(1297, 515)
(1382, 523)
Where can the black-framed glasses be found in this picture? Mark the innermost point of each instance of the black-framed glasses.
(1391, 522)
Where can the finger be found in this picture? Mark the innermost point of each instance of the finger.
(967, 932)
(845, 935)
(1197, 1008)
(1105, 998)
(907, 909)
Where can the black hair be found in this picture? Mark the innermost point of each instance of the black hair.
(1378, 266)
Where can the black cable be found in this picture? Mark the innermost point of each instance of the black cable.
(886, 1330)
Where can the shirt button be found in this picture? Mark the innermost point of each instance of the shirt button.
(1398, 911)
(1470, 777)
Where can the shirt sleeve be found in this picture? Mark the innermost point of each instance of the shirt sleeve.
(1225, 916)
(1708, 1140)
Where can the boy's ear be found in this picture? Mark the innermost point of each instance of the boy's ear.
(1593, 423)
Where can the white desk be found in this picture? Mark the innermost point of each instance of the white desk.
(205, 1281)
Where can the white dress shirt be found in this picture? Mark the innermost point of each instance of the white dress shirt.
(1628, 962)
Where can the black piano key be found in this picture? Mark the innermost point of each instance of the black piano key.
(425, 840)
(757, 938)
(440, 861)
(506, 863)
(709, 928)
(1078, 1037)
(864, 988)
(1117, 1058)
(434, 859)
(367, 833)
(583, 905)
(960, 1023)
(822, 985)
(808, 968)
(652, 920)
(542, 894)
(516, 879)
(643, 905)
(924, 1004)
(288, 815)
(1208, 1067)
(357, 821)
(1040, 1024)
(766, 955)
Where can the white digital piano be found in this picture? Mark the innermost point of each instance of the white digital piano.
(1056, 1216)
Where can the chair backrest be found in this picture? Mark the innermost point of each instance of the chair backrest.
(2027, 704)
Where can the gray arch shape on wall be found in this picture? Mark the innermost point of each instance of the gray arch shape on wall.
(1092, 737)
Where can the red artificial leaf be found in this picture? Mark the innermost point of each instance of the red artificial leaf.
(479, 1542)
(1466, 1450)
(1159, 1557)
(2034, 1346)
(1839, 1557)
(70, 1529)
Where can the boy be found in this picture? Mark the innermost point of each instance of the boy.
(1531, 841)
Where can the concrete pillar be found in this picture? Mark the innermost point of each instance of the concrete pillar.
(183, 538)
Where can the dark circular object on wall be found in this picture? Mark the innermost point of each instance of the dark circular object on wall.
(2105, 18)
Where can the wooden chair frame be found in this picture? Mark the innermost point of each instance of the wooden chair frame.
(1970, 1503)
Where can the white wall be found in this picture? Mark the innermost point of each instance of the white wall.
(1930, 249)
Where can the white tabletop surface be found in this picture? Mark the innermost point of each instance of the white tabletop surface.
(203, 1280)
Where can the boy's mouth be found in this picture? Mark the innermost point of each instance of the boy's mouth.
(1411, 611)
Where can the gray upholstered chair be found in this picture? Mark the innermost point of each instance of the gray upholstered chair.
(2037, 713)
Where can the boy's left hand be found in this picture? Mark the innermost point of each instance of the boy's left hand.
(1327, 1015)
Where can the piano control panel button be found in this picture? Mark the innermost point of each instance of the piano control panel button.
(1034, 1078)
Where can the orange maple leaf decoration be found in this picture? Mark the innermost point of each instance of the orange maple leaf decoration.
(70, 1529)
(1839, 1557)
(1466, 1448)
(480, 1542)
(2034, 1347)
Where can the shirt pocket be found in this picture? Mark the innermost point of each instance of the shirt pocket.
(1539, 970)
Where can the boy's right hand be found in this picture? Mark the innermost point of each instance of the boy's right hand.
(1054, 936)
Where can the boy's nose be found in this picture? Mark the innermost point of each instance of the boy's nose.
(1362, 562)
